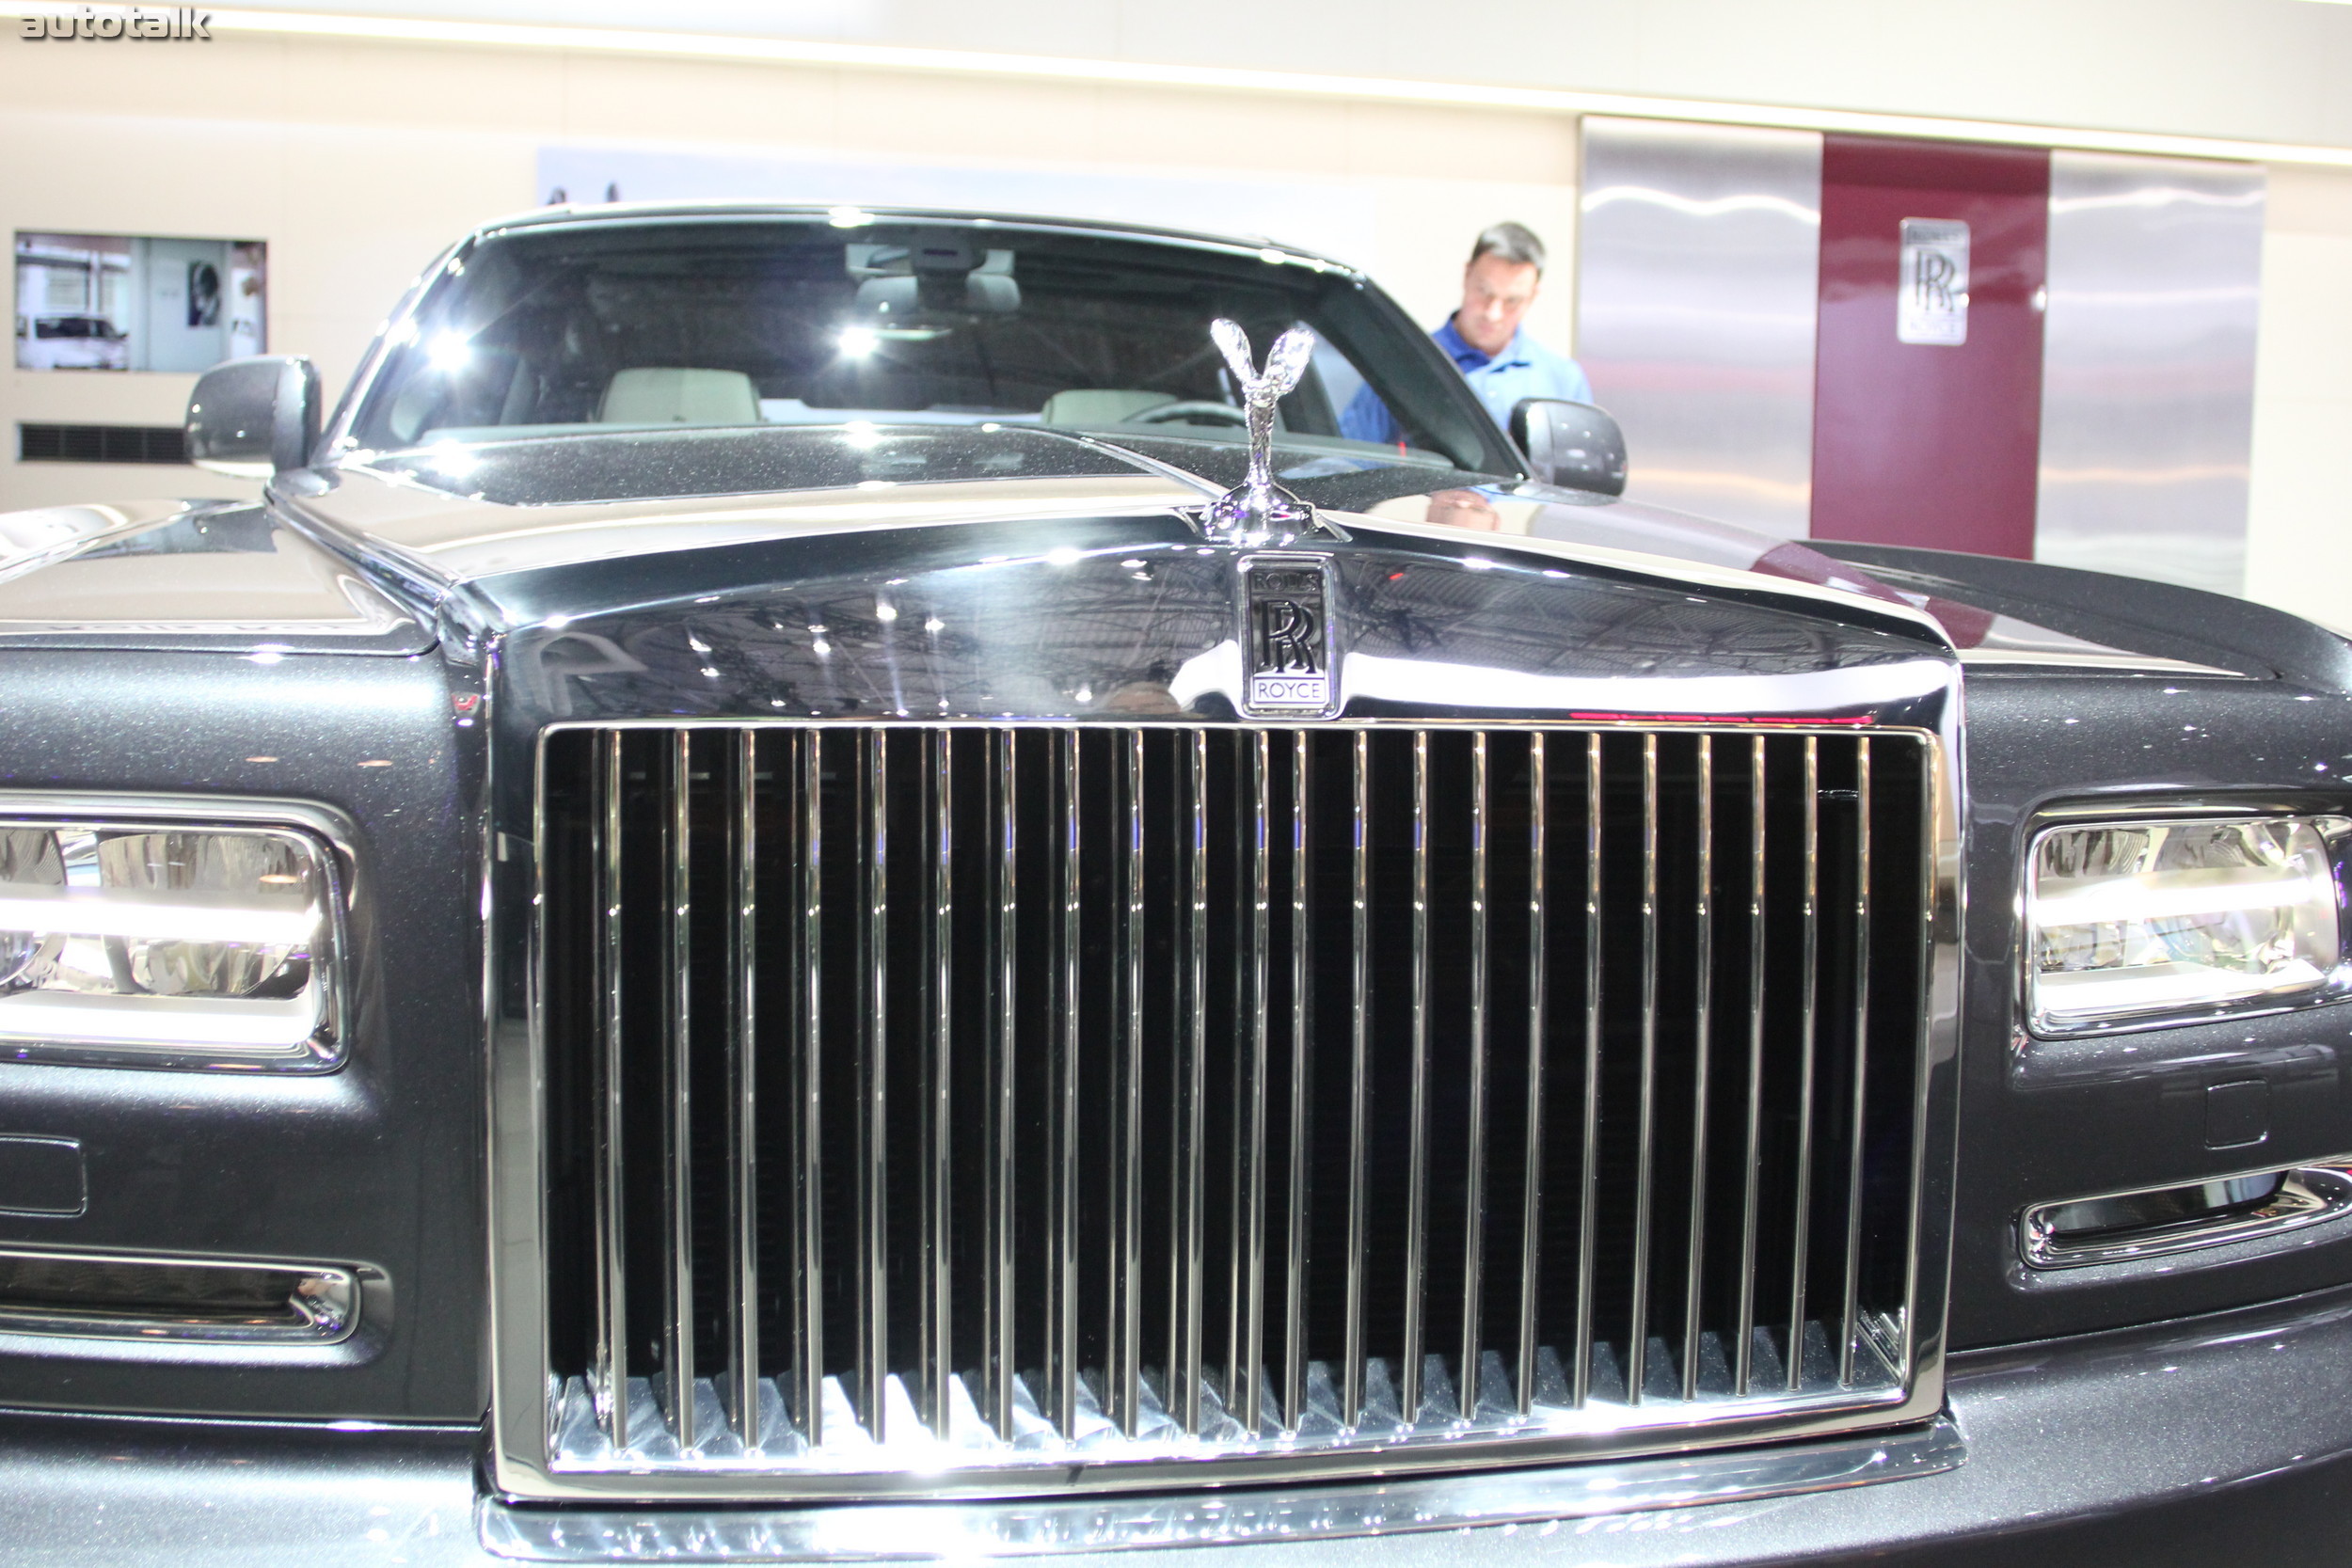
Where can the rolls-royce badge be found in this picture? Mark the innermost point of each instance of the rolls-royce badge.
(1287, 633)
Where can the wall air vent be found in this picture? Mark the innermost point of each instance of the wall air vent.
(101, 443)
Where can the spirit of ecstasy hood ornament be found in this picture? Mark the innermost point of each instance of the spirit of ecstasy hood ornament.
(1258, 510)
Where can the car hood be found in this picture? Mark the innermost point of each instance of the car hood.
(510, 520)
(508, 533)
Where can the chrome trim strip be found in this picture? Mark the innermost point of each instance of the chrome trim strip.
(322, 1308)
(2308, 1195)
(960, 1532)
(2119, 663)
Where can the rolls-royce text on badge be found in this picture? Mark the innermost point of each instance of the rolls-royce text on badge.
(1288, 634)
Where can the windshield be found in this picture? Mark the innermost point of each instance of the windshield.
(734, 321)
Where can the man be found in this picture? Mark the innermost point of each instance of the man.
(1501, 363)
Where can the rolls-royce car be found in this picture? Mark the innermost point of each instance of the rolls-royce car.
(837, 883)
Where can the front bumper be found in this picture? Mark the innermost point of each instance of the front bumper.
(2218, 1439)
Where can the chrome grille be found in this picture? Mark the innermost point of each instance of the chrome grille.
(954, 1107)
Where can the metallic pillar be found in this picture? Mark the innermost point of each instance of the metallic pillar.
(1698, 263)
(2148, 366)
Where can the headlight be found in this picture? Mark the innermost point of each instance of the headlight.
(2141, 920)
(185, 946)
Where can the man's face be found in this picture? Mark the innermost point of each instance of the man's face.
(1495, 294)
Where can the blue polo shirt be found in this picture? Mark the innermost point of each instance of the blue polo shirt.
(1524, 369)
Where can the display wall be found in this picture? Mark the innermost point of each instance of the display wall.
(2015, 351)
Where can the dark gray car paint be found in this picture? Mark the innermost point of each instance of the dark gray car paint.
(376, 1164)
(2210, 1438)
(380, 1164)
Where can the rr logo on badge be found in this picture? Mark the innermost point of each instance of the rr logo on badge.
(1288, 634)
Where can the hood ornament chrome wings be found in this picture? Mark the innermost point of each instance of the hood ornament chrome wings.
(1258, 510)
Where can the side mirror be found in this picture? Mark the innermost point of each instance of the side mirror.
(254, 418)
(1571, 444)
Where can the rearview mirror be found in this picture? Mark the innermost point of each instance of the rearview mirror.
(1571, 444)
(254, 418)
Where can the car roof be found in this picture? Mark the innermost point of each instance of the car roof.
(602, 213)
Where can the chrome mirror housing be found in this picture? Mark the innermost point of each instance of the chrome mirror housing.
(1573, 444)
(253, 418)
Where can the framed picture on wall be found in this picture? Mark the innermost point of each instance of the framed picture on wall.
(113, 302)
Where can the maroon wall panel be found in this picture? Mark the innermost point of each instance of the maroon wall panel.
(1923, 443)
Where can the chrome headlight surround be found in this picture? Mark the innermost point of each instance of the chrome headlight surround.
(310, 844)
(2277, 875)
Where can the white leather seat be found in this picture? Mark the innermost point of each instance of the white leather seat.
(661, 394)
(1099, 405)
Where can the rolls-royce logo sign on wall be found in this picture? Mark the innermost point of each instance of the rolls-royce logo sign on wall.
(1932, 305)
(1287, 631)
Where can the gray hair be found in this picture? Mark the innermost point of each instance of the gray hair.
(1513, 242)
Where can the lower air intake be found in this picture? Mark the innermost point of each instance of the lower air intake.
(972, 1109)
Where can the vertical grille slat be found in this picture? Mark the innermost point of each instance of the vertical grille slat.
(1808, 1021)
(1061, 1326)
(806, 1306)
(612, 1282)
(957, 1097)
(1126, 1377)
(1857, 1124)
(1588, 1141)
(939, 1087)
(1702, 1035)
(1538, 1081)
(1245, 1384)
(1359, 1090)
(1752, 1147)
(1408, 1370)
(1468, 1360)
(1294, 1392)
(677, 1351)
(1188, 1237)
(1001, 1352)
(740, 1395)
(873, 1190)
(1645, 1104)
